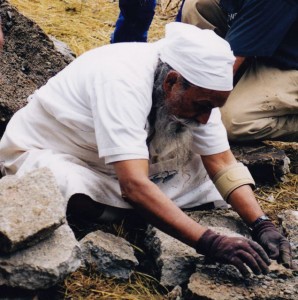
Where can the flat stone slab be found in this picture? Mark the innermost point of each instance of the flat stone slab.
(43, 265)
(267, 164)
(109, 255)
(31, 208)
(225, 283)
(289, 224)
(224, 221)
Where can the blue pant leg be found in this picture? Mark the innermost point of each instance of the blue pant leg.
(179, 14)
(134, 20)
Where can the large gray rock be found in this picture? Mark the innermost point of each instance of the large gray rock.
(109, 255)
(289, 225)
(223, 221)
(43, 265)
(174, 261)
(224, 282)
(31, 208)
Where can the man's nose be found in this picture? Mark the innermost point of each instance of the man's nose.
(203, 118)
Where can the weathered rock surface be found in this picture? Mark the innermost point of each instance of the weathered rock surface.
(291, 150)
(31, 208)
(266, 163)
(223, 221)
(174, 261)
(109, 255)
(63, 49)
(43, 265)
(223, 282)
(289, 224)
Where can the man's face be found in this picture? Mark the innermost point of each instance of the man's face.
(191, 102)
(179, 109)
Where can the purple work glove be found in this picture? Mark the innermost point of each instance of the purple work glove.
(274, 243)
(235, 251)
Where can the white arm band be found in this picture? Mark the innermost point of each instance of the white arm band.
(232, 177)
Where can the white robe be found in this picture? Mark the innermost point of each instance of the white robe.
(93, 113)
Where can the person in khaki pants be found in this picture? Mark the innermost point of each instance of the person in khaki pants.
(263, 37)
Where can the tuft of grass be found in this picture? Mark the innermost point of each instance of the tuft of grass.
(86, 284)
(280, 197)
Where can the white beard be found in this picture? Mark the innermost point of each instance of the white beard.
(172, 139)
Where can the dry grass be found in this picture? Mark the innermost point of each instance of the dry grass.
(282, 196)
(83, 25)
(86, 284)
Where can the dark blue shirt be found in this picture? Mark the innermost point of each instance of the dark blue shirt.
(266, 29)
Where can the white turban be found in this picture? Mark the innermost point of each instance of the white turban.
(200, 56)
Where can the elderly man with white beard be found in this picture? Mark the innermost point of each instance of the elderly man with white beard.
(137, 126)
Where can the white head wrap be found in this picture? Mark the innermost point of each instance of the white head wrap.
(200, 56)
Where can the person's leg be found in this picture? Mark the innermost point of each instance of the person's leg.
(179, 14)
(82, 209)
(205, 14)
(134, 21)
(263, 105)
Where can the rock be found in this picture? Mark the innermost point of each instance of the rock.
(109, 255)
(174, 261)
(175, 293)
(289, 224)
(223, 283)
(63, 49)
(31, 208)
(222, 221)
(291, 150)
(266, 163)
(43, 265)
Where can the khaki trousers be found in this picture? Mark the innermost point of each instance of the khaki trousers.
(264, 102)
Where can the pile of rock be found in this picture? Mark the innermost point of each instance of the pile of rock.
(39, 249)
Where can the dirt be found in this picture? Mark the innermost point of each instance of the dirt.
(28, 60)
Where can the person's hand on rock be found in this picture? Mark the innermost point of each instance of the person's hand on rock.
(274, 243)
(237, 251)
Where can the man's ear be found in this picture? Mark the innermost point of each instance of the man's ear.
(170, 79)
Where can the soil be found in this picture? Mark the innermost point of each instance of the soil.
(28, 60)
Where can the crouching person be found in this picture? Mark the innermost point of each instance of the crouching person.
(142, 130)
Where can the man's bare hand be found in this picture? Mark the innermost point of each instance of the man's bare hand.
(235, 251)
(274, 243)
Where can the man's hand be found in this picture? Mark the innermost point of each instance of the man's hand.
(275, 244)
(235, 251)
